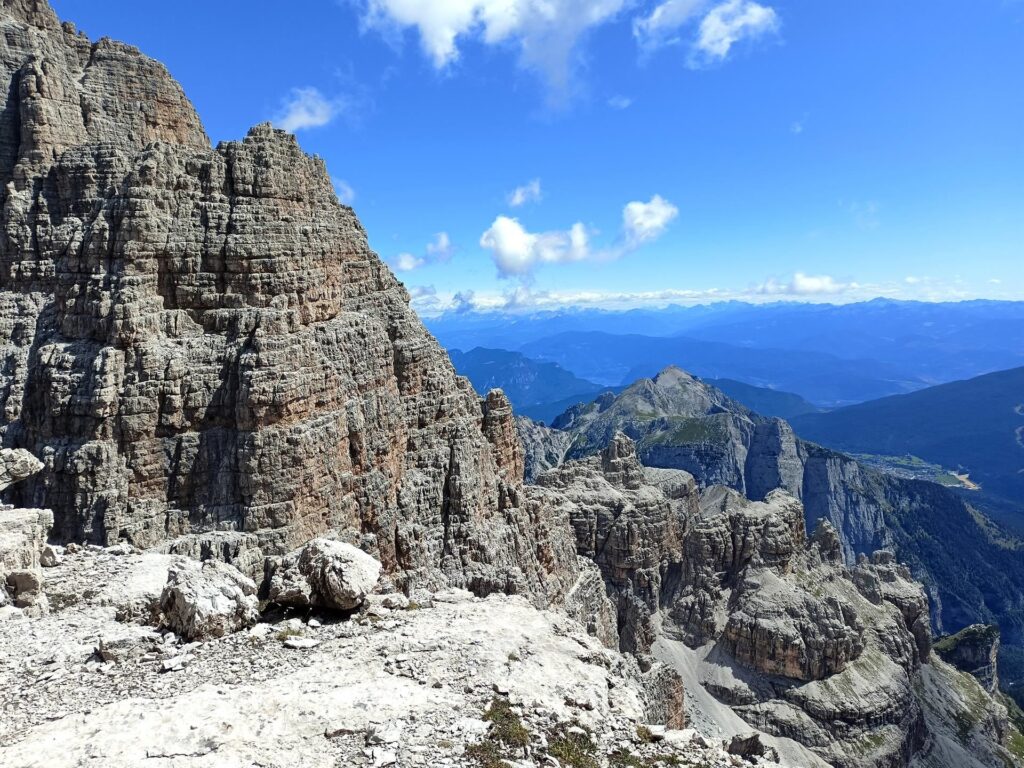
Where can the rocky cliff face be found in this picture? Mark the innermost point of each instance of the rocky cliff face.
(680, 422)
(974, 649)
(829, 663)
(199, 339)
(633, 531)
(544, 448)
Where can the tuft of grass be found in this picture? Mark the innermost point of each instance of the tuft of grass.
(485, 754)
(576, 750)
(643, 733)
(506, 725)
(624, 759)
(1016, 744)
(287, 632)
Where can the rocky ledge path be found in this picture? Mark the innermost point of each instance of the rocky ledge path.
(442, 679)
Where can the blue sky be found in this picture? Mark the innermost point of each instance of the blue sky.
(685, 150)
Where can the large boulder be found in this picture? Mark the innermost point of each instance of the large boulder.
(22, 538)
(324, 573)
(16, 464)
(209, 599)
(25, 588)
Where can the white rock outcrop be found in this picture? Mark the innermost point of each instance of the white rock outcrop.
(326, 574)
(210, 599)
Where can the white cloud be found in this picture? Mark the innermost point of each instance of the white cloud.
(643, 222)
(799, 288)
(804, 285)
(727, 24)
(516, 251)
(528, 193)
(545, 32)
(438, 251)
(346, 195)
(422, 292)
(306, 108)
(440, 248)
(407, 262)
(662, 26)
(620, 102)
(522, 298)
(797, 127)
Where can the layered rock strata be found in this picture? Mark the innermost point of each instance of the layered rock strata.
(974, 649)
(972, 573)
(771, 623)
(200, 339)
(630, 529)
(23, 533)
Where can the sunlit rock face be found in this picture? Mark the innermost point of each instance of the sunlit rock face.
(200, 339)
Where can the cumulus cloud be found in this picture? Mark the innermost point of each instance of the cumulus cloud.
(306, 108)
(440, 248)
(663, 24)
(620, 102)
(720, 27)
(528, 193)
(545, 32)
(407, 262)
(804, 285)
(729, 23)
(464, 301)
(346, 195)
(517, 251)
(420, 292)
(438, 251)
(643, 222)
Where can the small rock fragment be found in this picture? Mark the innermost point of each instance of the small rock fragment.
(51, 556)
(300, 643)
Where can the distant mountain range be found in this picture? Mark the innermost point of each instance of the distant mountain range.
(976, 426)
(540, 390)
(974, 571)
(767, 402)
(544, 390)
(831, 355)
(822, 378)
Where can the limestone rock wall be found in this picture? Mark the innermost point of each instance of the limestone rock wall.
(629, 528)
(200, 339)
(974, 649)
(680, 422)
